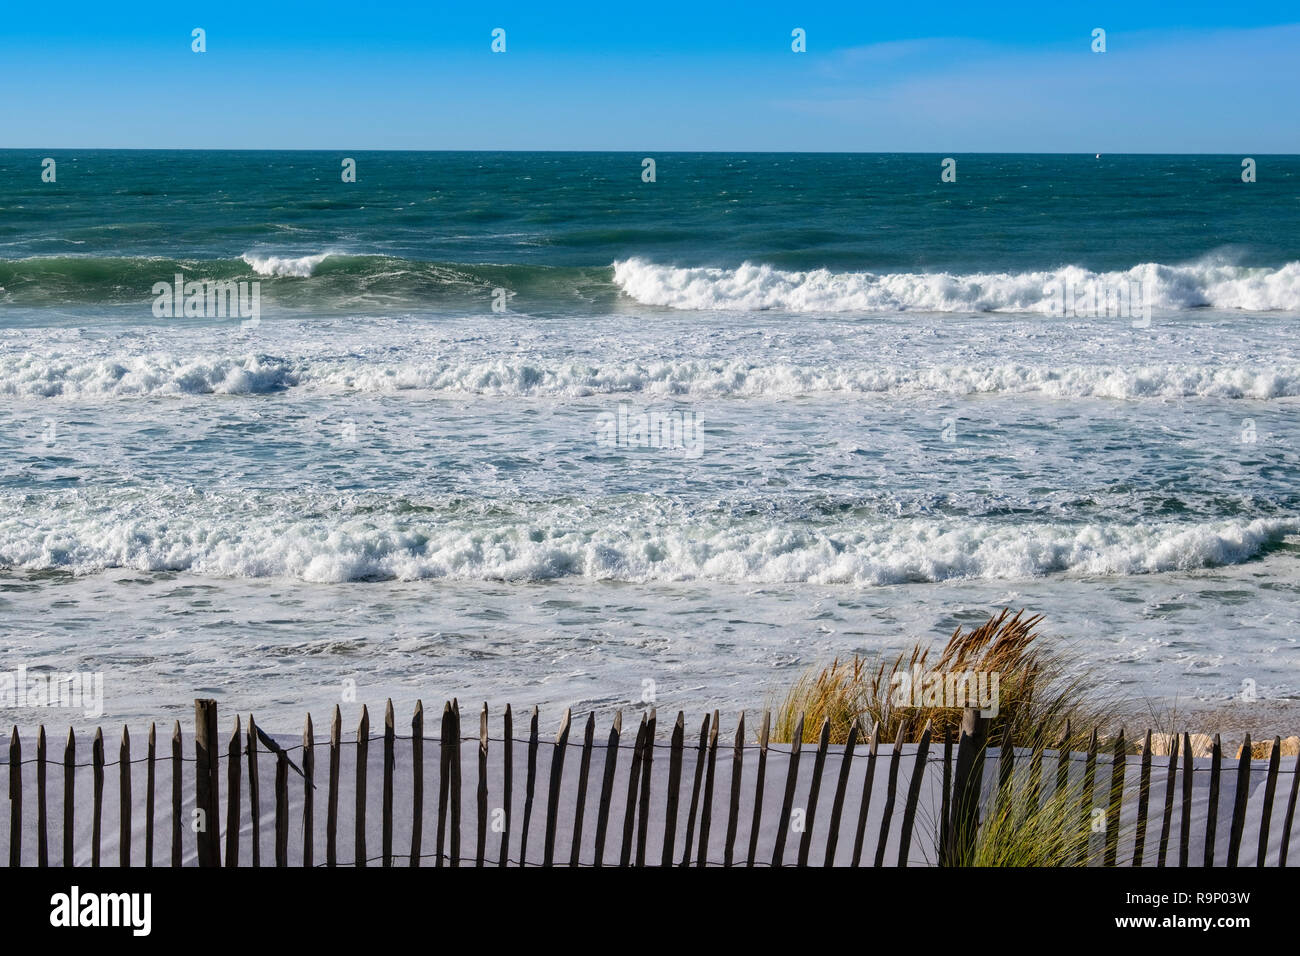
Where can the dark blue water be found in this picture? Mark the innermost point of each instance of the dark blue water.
(892, 430)
(846, 212)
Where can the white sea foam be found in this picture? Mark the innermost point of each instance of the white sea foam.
(32, 375)
(760, 287)
(64, 374)
(300, 266)
(259, 537)
(739, 379)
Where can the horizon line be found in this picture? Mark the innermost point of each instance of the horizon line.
(631, 151)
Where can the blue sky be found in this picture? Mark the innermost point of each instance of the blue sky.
(929, 77)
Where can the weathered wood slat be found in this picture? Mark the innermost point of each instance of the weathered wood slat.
(864, 805)
(482, 792)
(887, 814)
(507, 782)
(1144, 796)
(758, 787)
(308, 793)
(1034, 795)
(69, 796)
(176, 794)
(529, 785)
(914, 794)
(332, 801)
(633, 790)
(232, 796)
(787, 800)
(841, 789)
(390, 762)
(945, 801)
(207, 797)
(15, 799)
(1006, 767)
(281, 809)
(150, 780)
(1185, 823)
(1118, 765)
(584, 772)
(363, 750)
(968, 780)
(814, 791)
(1290, 813)
(1212, 809)
(553, 790)
(124, 800)
(1270, 787)
(1063, 760)
(607, 787)
(1089, 788)
(733, 803)
(254, 793)
(444, 781)
(417, 782)
(706, 806)
(1240, 795)
(455, 782)
(97, 764)
(1167, 811)
(695, 791)
(42, 820)
(647, 765)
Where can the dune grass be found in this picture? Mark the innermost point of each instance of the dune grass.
(1044, 702)
(1029, 823)
(1038, 693)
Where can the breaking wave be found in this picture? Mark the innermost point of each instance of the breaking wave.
(66, 374)
(335, 280)
(752, 287)
(315, 538)
(300, 266)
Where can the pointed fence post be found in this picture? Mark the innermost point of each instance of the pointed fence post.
(968, 780)
(205, 780)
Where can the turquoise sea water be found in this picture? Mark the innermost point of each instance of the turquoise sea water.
(885, 422)
(410, 212)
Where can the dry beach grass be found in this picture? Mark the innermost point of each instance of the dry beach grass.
(1039, 694)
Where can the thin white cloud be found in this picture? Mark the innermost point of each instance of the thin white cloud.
(1209, 91)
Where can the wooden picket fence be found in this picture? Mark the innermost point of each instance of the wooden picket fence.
(963, 795)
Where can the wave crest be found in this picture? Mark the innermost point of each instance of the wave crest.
(67, 375)
(31, 375)
(752, 287)
(381, 540)
(300, 266)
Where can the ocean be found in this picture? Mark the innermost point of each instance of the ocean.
(528, 428)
